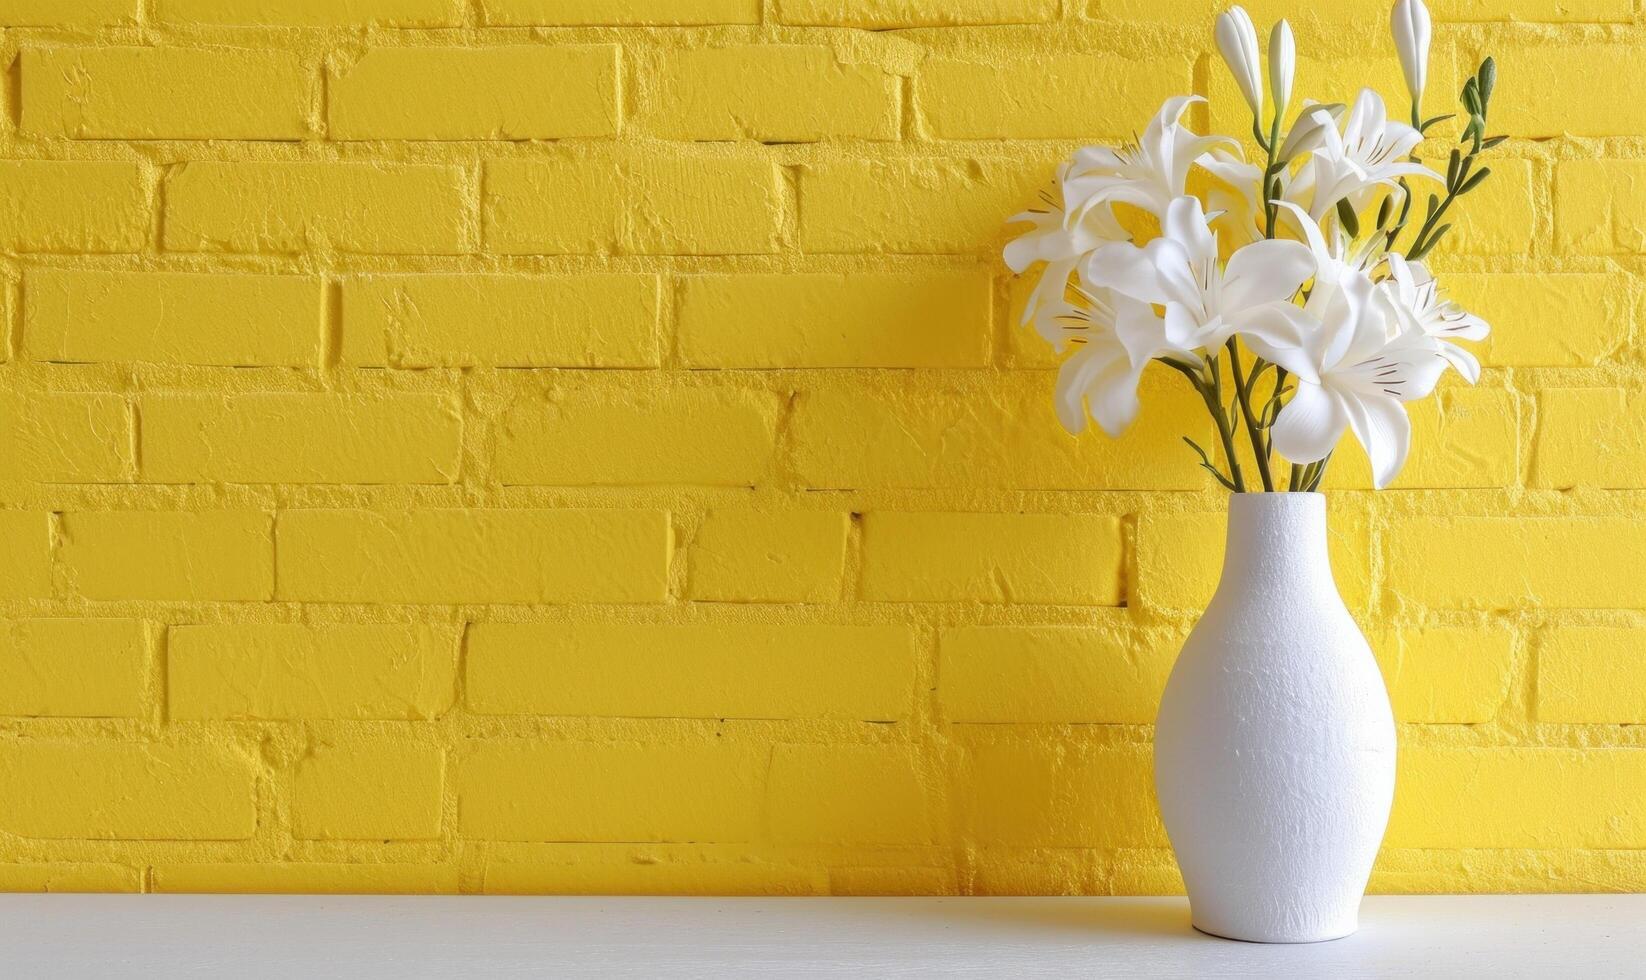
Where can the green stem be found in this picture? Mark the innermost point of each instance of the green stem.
(1294, 481)
(1243, 393)
(1212, 394)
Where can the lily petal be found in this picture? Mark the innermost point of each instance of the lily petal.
(1381, 425)
(1265, 271)
(1309, 426)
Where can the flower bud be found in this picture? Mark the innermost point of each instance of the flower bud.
(1237, 40)
(1410, 24)
(1282, 66)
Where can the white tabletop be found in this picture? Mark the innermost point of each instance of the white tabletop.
(1589, 936)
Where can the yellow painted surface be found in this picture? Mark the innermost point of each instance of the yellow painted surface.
(585, 446)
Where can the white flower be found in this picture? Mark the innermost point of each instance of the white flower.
(1410, 23)
(1282, 66)
(1355, 369)
(1310, 129)
(1417, 302)
(1205, 301)
(1114, 337)
(1371, 151)
(1057, 241)
(1149, 175)
(1237, 40)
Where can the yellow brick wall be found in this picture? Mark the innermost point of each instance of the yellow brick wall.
(584, 446)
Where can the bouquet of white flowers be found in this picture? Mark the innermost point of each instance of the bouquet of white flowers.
(1311, 262)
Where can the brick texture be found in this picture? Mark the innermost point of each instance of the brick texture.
(589, 446)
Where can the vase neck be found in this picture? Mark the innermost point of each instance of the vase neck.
(1277, 543)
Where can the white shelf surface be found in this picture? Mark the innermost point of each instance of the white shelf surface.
(1587, 936)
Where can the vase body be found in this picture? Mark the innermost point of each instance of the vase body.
(1275, 744)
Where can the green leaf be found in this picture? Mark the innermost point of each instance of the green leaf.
(1434, 205)
(1487, 77)
(1424, 126)
(1474, 181)
(1346, 214)
(1206, 462)
(1492, 141)
(1471, 97)
(1451, 167)
(1384, 211)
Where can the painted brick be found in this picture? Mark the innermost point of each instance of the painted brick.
(88, 315)
(1470, 438)
(1069, 559)
(310, 13)
(202, 556)
(646, 205)
(450, 556)
(70, 877)
(836, 320)
(1003, 435)
(1536, 11)
(1600, 206)
(368, 789)
(278, 672)
(863, 673)
(25, 554)
(847, 794)
(588, 320)
(73, 668)
(1524, 562)
(760, 556)
(1591, 675)
(883, 14)
(1180, 559)
(1521, 797)
(56, 13)
(102, 790)
(420, 93)
(1589, 437)
(569, 791)
(301, 438)
(1446, 675)
(704, 94)
(279, 206)
(1000, 100)
(513, 868)
(1543, 104)
(1030, 794)
(700, 436)
(79, 206)
(928, 205)
(314, 877)
(1594, 312)
(660, 12)
(66, 437)
(1501, 216)
(166, 92)
(1051, 674)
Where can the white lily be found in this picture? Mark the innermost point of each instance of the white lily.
(1282, 66)
(1057, 241)
(1204, 300)
(1356, 372)
(1417, 302)
(1236, 199)
(1310, 128)
(1411, 28)
(1371, 151)
(1149, 175)
(1237, 40)
(1115, 337)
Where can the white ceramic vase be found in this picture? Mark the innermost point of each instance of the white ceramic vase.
(1275, 745)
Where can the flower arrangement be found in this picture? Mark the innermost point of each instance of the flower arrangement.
(1310, 261)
